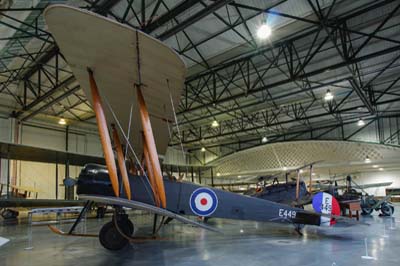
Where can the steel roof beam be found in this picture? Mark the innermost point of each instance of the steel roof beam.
(305, 75)
(43, 97)
(173, 13)
(52, 102)
(193, 19)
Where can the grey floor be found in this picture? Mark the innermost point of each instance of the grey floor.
(243, 243)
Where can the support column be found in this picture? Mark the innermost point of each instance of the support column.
(212, 177)
(298, 185)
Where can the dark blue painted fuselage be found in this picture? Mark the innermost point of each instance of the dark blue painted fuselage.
(190, 199)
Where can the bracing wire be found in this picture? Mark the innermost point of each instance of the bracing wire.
(177, 126)
(129, 130)
(130, 146)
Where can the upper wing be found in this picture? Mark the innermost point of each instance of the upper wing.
(145, 207)
(117, 53)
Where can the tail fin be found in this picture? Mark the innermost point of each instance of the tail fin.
(325, 203)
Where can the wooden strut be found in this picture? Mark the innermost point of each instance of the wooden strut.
(151, 148)
(121, 162)
(104, 135)
(150, 174)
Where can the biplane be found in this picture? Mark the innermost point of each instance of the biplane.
(133, 82)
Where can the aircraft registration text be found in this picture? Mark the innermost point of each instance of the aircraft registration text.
(287, 213)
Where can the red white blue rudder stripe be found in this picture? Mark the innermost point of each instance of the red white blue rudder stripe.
(203, 202)
(327, 204)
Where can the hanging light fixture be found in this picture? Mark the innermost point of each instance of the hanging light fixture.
(360, 122)
(264, 139)
(203, 149)
(328, 96)
(218, 174)
(62, 121)
(367, 160)
(264, 31)
(215, 123)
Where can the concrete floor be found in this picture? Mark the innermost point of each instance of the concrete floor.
(243, 243)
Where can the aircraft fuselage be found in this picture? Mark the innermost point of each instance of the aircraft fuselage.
(191, 199)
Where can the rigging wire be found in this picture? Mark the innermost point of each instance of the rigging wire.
(130, 146)
(177, 126)
(129, 130)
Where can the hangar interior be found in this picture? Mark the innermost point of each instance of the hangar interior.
(279, 91)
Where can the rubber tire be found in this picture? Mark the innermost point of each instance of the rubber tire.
(366, 211)
(111, 239)
(385, 209)
(129, 224)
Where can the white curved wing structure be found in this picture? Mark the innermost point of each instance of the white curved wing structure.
(116, 53)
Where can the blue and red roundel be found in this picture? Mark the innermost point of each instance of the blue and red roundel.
(203, 201)
(327, 204)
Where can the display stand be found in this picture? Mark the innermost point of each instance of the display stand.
(367, 257)
(392, 226)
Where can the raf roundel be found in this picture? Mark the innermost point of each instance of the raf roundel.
(203, 201)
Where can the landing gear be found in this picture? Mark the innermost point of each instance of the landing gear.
(110, 236)
(366, 211)
(298, 228)
(387, 209)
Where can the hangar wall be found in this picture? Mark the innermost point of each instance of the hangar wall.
(42, 176)
(378, 177)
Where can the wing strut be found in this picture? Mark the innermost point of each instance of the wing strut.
(151, 148)
(104, 135)
(121, 162)
(150, 174)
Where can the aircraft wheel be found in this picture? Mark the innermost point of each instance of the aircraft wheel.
(111, 239)
(386, 209)
(129, 225)
(366, 211)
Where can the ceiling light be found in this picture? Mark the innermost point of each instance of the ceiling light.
(328, 96)
(284, 168)
(301, 171)
(264, 139)
(215, 123)
(264, 31)
(360, 122)
(381, 169)
(203, 149)
(218, 174)
(367, 160)
(239, 176)
(62, 121)
(375, 166)
(312, 173)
